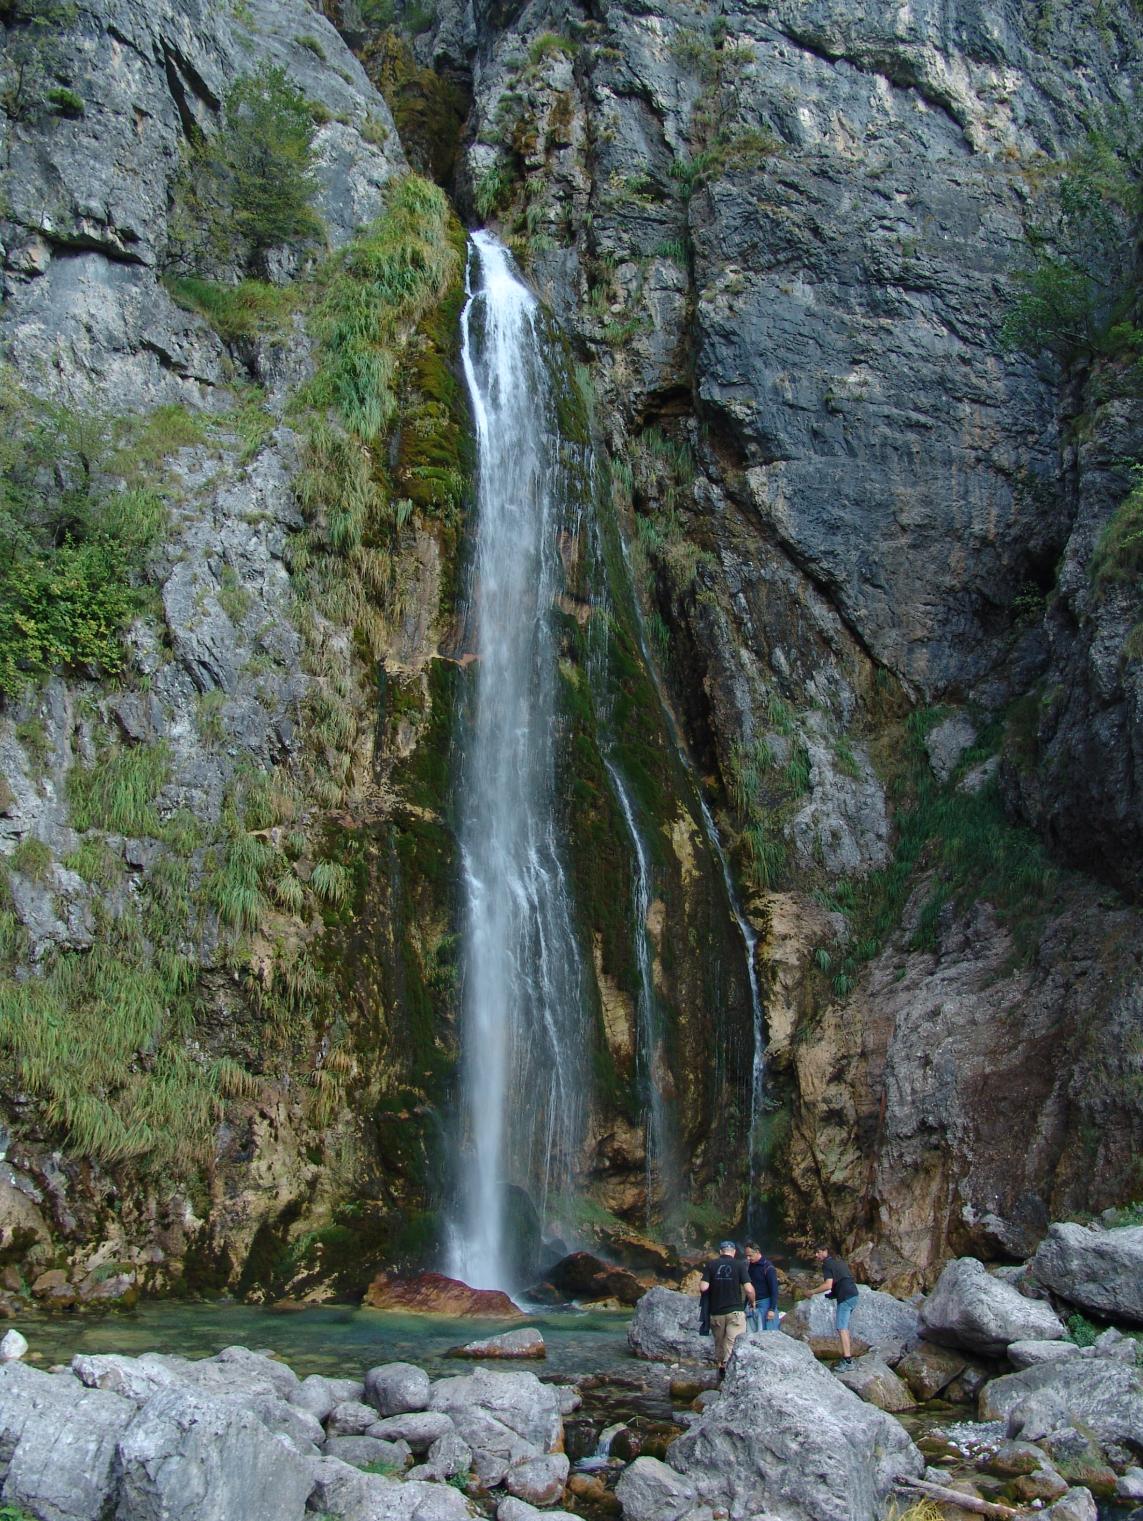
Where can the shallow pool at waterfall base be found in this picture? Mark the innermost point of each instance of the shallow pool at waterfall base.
(337, 1340)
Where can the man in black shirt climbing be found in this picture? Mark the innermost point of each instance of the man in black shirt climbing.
(838, 1283)
(724, 1281)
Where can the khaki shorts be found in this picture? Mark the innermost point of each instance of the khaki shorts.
(727, 1329)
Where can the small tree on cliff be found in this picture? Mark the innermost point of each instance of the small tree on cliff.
(1081, 292)
(249, 190)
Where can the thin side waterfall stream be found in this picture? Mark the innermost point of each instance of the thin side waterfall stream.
(663, 1180)
(523, 1083)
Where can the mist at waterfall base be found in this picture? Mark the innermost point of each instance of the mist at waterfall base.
(526, 1014)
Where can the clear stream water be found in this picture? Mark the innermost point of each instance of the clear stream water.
(337, 1340)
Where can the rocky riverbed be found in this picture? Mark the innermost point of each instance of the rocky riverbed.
(978, 1387)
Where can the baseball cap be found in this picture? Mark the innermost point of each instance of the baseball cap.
(728, 1246)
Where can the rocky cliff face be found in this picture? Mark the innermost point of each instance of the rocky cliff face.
(782, 240)
(787, 238)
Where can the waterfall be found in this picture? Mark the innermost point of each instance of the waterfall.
(663, 1182)
(745, 928)
(523, 1080)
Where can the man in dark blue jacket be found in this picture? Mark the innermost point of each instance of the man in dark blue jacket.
(765, 1280)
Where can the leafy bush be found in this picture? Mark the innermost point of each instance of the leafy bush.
(70, 544)
(1081, 1331)
(32, 55)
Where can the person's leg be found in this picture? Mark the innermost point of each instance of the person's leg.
(845, 1310)
(735, 1327)
(721, 1350)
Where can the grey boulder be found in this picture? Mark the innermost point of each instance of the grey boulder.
(320, 1395)
(1027, 1354)
(971, 1308)
(394, 1388)
(1099, 1270)
(821, 1454)
(420, 1428)
(1102, 1395)
(346, 1494)
(190, 1455)
(883, 1323)
(665, 1329)
(58, 1443)
(540, 1480)
(877, 1384)
(363, 1450)
(516, 1402)
(350, 1418)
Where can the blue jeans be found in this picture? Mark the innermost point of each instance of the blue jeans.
(757, 1318)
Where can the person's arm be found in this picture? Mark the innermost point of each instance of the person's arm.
(703, 1286)
(822, 1288)
(747, 1284)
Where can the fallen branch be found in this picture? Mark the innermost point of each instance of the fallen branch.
(967, 1502)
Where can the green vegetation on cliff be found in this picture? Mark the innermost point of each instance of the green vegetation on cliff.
(72, 535)
(1080, 294)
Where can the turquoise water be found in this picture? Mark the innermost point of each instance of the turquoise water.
(333, 1339)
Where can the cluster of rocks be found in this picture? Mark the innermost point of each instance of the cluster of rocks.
(240, 1437)
(1065, 1422)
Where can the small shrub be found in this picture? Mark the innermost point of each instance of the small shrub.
(65, 102)
(1081, 1331)
(32, 858)
(550, 45)
(311, 45)
(331, 882)
(34, 739)
(492, 190)
(1119, 554)
(250, 189)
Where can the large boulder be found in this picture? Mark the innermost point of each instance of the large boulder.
(344, 1493)
(434, 1294)
(665, 1329)
(516, 1402)
(1102, 1395)
(1099, 1270)
(58, 1444)
(420, 1428)
(192, 1455)
(581, 1275)
(819, 1454)
(880, 1322)
(928, 1369)
(319, 1395)
(539, 1481)
(971, 1308)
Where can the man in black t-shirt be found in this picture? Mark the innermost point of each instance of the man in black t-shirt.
(838, 1283)
(725, 1279)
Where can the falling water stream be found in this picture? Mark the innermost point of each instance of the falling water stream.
(523, 997)
(524, 1004)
